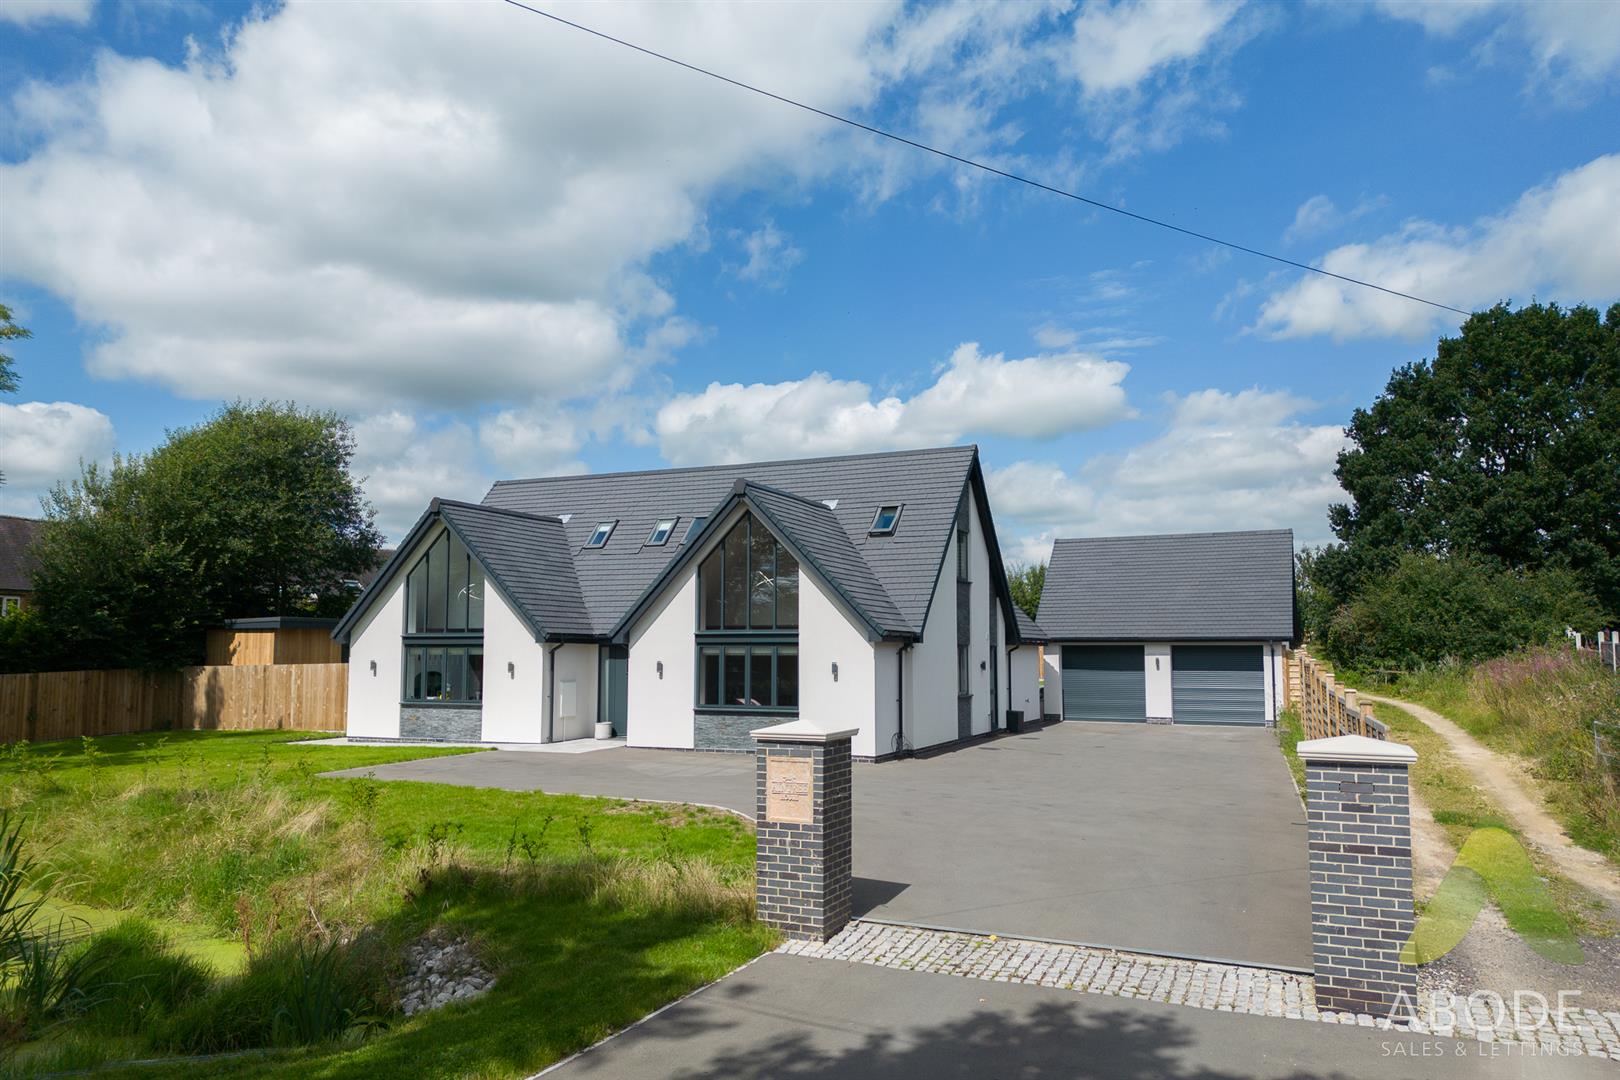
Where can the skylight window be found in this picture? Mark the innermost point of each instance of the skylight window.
(884, 522)
(661, 531)
(831, 504)
(599, 538)
(692, 529)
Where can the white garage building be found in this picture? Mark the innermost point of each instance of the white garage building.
(1185, 629)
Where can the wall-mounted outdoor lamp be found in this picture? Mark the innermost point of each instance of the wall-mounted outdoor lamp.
(511, 669)
(835, 671)
(374, 667)
(660, 669)
(982, 665)
(1155, 663)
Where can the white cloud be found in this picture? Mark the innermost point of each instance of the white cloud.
(1223, 461)
(42, 442)
(771, 255)
(402, 463)
(1316, 214)
(1116, 46)
(1560, 240)
(1152, 72)
(540, 440)
(1573, 47)
(31, 12)
(448, 206)
(1036, 397)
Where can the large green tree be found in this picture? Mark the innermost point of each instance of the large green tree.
(1506, 447)
(1026, 581)
(253, 513)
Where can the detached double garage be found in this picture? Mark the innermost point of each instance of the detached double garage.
(1184, 629)
(1183, 684)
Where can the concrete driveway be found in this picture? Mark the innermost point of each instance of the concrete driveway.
(1180, 840)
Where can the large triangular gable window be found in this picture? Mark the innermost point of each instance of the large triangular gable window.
(748, 623)
(444, 626)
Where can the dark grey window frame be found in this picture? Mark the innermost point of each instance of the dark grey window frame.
(720, 642)
(899, 508)
(611, 526)
(778, 550)
(441, 641)
(964, 671)
(964, 555)
(692, 529)
(652, 537)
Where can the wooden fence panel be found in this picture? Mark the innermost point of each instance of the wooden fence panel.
(1327, 709)
(50, 705)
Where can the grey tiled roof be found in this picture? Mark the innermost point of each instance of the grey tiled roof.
(528, 557)
(1208, 586)
(928, 483)
(1029, 632)
(814, 529)
(17, 562)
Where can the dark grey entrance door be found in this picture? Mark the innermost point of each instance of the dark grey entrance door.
(1104, 682)
(1217, 684)
(615, 681)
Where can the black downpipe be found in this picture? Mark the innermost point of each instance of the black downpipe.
(900, 699)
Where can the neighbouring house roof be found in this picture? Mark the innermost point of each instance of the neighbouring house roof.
(1195, 586)
(17, 561)
(531, 534)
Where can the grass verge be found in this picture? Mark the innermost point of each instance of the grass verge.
(1557, 712)
(1290, 730)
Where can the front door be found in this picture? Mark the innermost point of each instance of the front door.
(615, 683)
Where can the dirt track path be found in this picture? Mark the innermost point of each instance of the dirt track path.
(1506, 782)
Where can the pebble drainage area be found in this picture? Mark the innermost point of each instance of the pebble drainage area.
(1199, 984)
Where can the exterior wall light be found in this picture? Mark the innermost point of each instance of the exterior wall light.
(374, 667)
(835, 671)
(511, 669)
(660, 669)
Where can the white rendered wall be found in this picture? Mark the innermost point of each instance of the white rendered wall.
(1054, 680)
(1273, 673)
(931, 666)
(886, 679)
(1156, 668)
(578, 663)
(515, 702)
(373, 709)
(829, 635)
(659, 709)
(1025, 688)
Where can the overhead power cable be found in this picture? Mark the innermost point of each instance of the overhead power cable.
(971, 163)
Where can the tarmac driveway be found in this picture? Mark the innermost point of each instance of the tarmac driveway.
(1166, 839)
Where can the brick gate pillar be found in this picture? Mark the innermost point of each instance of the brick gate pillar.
(1361, 871)
(802, 869)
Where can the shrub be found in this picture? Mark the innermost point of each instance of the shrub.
(293, 994)
(138, 978)
(1431, 609)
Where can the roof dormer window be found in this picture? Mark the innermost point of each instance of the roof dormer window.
(660, 534)
(599, 537)
(885, 520)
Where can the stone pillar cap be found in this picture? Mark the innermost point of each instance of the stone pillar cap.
(1357, 748)
(804, 731)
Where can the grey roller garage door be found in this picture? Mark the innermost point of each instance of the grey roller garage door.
(1104, 682)
(1217, 684)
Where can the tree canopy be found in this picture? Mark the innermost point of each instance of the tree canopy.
(252, 513)
(1026, 580)
(9, 331)
(1505, 447)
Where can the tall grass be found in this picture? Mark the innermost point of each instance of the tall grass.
(1558, 710)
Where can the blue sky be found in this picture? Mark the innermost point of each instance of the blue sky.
(503, 248)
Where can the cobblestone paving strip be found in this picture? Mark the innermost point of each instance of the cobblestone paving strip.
(1198, 984)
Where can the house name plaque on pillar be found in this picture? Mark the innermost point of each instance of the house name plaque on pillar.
(789, 794)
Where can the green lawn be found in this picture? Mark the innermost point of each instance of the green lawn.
(591, 912)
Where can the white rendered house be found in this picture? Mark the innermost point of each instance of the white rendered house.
(687, 607)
